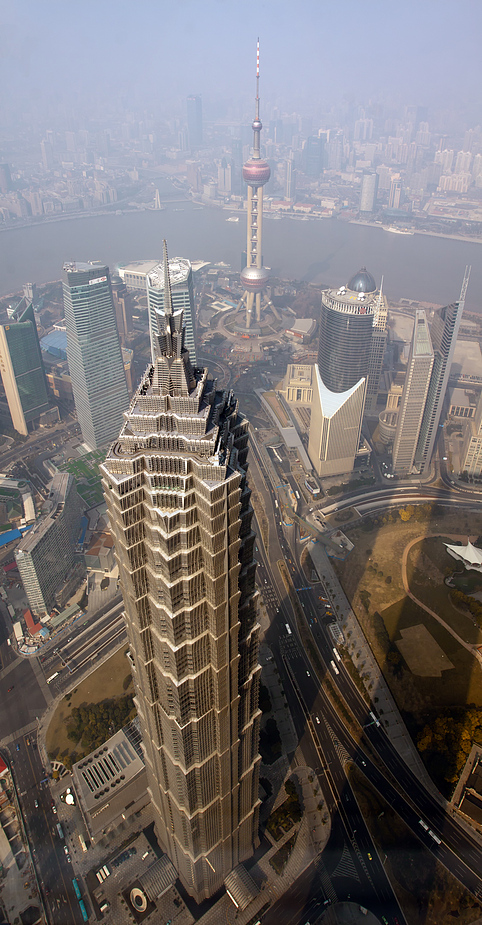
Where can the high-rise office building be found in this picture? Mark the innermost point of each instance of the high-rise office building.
(410, 413)
(5, 179)
(349, 359)
(122, 306)
(93, 352)
(182, 297)
(369, 190)
(444, 330)
(377, 352)
(46, 554)
(312, 157)
(21, 367)
(195, 121)
(179, 506)
(335, 427)
(290, 180)
(256, 173)
(346, 331)
(395, 193)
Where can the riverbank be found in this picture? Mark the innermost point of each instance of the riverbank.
(472, 239)
(421, 267)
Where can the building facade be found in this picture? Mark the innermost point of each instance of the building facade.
(350, 356)
(410, 414)
(179, 505)
(94, 353)
(335, 427)
(182, 297)
(445, 328)
(347, 319)
(369, 192)
(22, 370)
(45, 555)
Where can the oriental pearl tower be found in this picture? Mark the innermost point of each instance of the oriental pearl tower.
(256, 172)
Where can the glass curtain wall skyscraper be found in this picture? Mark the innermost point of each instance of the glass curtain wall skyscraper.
(349, 364)
(176, 488)
(93, 352)
(22, 370)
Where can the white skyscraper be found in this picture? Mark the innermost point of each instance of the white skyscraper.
(414, 396)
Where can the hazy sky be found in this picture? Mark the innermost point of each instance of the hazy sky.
(411, 51)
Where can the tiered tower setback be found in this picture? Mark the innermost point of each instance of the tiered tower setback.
(256, 172)
(179, 505)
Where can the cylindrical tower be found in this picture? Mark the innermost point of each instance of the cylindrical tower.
(256, 172)
(346, 331)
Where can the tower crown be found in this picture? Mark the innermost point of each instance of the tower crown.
(362, 281)
(256, 171)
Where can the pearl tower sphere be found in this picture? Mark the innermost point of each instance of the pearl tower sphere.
(256, 172)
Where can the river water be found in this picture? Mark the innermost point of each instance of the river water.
(422, 267)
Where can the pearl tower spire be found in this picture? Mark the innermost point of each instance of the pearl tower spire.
(256, 172)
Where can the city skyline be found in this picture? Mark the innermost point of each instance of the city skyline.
(411, 41)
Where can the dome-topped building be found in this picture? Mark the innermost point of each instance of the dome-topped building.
(350, 356)
(347, 321)
(362, 281)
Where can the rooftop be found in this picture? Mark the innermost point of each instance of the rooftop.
(423, 341)
(331, 402)
(179, 269)
(79, 266)
(108, 768)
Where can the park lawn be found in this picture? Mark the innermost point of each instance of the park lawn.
(383, 544)
(428, 586)
(105, 683)
(457, 686)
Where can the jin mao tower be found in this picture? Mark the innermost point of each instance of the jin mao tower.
(179, 504)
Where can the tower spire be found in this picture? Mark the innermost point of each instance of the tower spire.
(257, 80)
(256, 172)
(167, 281)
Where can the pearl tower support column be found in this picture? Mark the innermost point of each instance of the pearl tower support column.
(256, 172)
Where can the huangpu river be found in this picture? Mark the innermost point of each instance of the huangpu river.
(323, 251)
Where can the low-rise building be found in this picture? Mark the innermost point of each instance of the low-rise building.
(111, 782)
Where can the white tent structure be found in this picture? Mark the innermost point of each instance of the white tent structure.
(469, 555)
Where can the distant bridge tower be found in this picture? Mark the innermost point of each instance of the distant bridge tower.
(256, 172)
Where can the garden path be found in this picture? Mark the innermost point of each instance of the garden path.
(467, 645)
